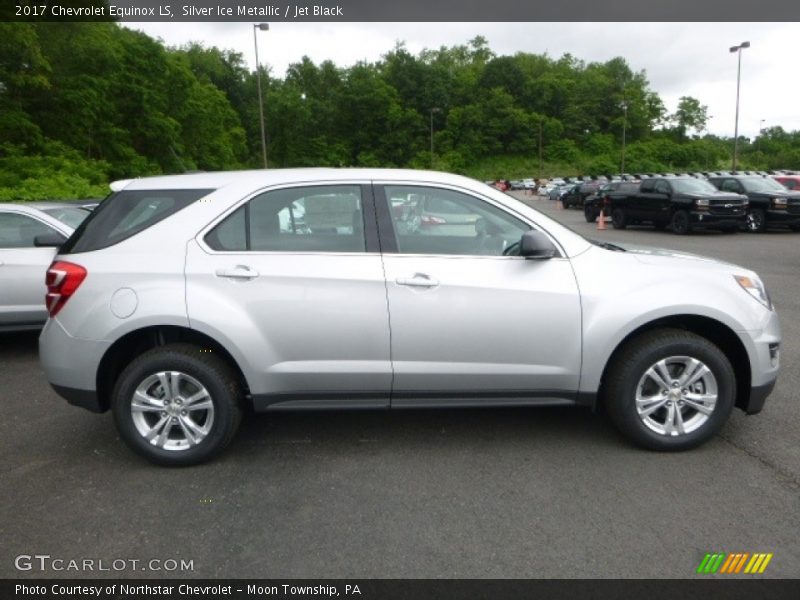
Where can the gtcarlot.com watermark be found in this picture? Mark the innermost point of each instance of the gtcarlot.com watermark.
(46, 563)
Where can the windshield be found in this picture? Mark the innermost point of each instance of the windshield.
(762, 184)
(692, 186)
(71, 217)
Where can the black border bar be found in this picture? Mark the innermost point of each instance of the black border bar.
(406, 11)
(730, 588)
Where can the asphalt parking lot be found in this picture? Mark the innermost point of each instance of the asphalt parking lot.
(468, 493)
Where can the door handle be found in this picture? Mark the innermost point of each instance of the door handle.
(418, 280)
(238, 272)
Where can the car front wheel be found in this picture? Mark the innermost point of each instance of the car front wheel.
(619, 219)
(681, 225)
(670, 389)
(756, 221)
(177, 405)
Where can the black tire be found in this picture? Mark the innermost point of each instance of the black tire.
(629, 368)
(590, 214)
(681, 225)
(619, 219)
(756, 221)
(224, 393)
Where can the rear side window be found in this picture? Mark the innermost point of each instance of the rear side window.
(126, 213)
(298, 219)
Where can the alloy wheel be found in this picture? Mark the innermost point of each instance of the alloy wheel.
(172, 410)
(676, 395)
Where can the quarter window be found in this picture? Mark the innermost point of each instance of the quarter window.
(300, 219)
(19, 231)
(439, 221)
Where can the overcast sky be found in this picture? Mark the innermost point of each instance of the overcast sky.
(681, 59)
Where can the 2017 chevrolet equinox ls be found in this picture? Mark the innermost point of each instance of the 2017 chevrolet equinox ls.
(182, 299)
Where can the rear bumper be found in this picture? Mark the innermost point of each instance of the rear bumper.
(70, 363)
(83, 398)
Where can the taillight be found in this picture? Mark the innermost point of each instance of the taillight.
(62, 280)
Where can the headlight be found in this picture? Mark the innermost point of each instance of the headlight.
(754, 287)
(779, 202)
(701, 203)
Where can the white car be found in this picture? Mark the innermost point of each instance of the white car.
(181, 301)
(23, 264)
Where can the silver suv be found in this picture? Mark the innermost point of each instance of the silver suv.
(183, 299)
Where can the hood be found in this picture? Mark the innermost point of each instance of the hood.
(722, 196)
(661, 256)
(788, 194)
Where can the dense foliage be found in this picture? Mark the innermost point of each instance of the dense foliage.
(84, 103)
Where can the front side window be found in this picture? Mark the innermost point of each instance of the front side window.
(662, 187)
(19, 231)
(730, 185)
(762, 184)
(693, 186)
(71, 217)
(299, 219)
(438, 221)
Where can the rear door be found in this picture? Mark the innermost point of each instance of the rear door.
(470, 323)
(22, 269)
(293, 279)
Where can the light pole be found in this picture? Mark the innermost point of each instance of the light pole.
(624, 132)
(708, 118)
(540, 147)
(738, 49)
(262, 27)
(435, 109)
(760, 130)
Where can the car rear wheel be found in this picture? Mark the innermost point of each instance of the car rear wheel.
(177, 405)
(670, 389)
(590, 214)
(756, 221)
(680, 223)
(619, 219)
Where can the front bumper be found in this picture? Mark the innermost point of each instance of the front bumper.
(708, 219)
(783, 217)
(763, 349)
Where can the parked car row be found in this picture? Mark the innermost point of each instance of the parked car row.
(728, 203)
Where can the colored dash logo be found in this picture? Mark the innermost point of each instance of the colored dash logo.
(735, 562)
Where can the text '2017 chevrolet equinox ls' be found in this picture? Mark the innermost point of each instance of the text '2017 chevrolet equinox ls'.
(183, 298)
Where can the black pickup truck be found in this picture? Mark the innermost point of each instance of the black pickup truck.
(771, 203)
(684, 203)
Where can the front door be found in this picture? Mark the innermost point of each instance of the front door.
(470, 322)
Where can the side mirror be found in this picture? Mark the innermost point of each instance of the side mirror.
(535, 244)
(49, 240)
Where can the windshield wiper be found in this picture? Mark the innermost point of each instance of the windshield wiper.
(608, 246)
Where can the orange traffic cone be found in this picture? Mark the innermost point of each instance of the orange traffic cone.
(559, 204)
(601, 220)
